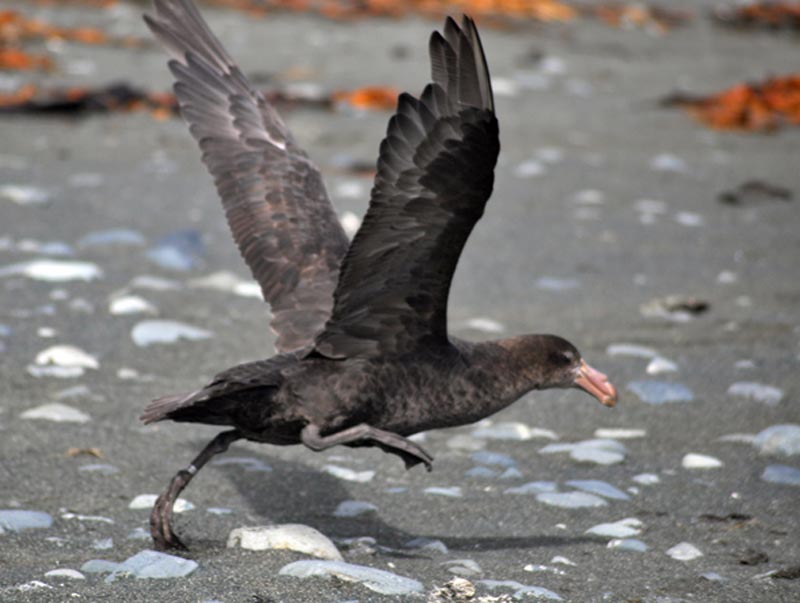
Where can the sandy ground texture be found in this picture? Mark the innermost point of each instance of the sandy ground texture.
(603, 203)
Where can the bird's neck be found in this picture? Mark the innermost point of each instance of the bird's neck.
(503, 369)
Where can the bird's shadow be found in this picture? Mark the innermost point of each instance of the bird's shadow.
(296, 493)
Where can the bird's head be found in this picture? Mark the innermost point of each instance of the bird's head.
(566, 368)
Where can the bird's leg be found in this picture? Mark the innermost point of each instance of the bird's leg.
(161, 515)
(386, 440)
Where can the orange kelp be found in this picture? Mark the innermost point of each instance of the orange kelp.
(760, 15)
(759, 107)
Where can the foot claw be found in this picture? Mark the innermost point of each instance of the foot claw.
(161, 527)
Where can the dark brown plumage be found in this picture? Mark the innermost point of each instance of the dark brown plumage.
(365, 358)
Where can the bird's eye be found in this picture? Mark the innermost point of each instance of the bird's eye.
(562, 358)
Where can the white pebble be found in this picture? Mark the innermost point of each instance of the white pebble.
(688, 218)
(510, 430)
(667, 162)
(485, 325)
(562, 560)
(54, 271)
(145, 564)
(661, 365)
(778, 439)
(131, 304)
(570, 500)
(353, 508)
(781, 474)
(530, 168)
(70, 574)
(631, 349)
(619, 433)
(68, 356)
(348, 474)
(55, 411)
(149, 332)
(627, 544)
(684, 551)
(380, 581)
(618, 529)
(589, 197)
(146, 501)
(452, 491)
(60, 372)
(767, 394)
(23, 195)
(350, 189)
(599, 487)
(291, 536)
(700, 461)
(646, 479)
(351, 223)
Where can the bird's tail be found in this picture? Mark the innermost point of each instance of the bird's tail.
(160, 408)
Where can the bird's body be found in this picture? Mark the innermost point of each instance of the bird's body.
(364, 356)
(270, 401)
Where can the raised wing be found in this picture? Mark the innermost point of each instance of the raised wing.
(435, 174)
(273, 196)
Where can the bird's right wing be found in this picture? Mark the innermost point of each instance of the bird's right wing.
(273, 195)
(435, 175)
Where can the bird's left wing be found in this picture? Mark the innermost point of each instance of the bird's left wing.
(273, 195)
(435, 174)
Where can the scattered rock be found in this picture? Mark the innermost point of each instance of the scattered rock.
(22, 194)
(660, 392)
(349, 475)
(601, 488)
(787, 573)
(428, 545)
(627, 544)
(781, 474)
(114, 236)
(511, 430)
(131, 304)
(485, 325)
(623, 528)
(291, 536)
(753, 557)
(684, 551)
(621, 433)
(700, 461)
(70, 574)
(54, 271)
(778, 440)
(145, 564)
(55, 411)
(353, 508)
(182, 250)
(146, 501)
(457, 589)
(631, 349)
(149, 332)
(571, 500)
(660, 365)
(759, 392)
(380, 581)
(13, 520)
(462, 567)
(533, 488)
(678, 308)
(451, 492)
(755, 191)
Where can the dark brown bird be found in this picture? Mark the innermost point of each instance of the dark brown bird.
(364, 354)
